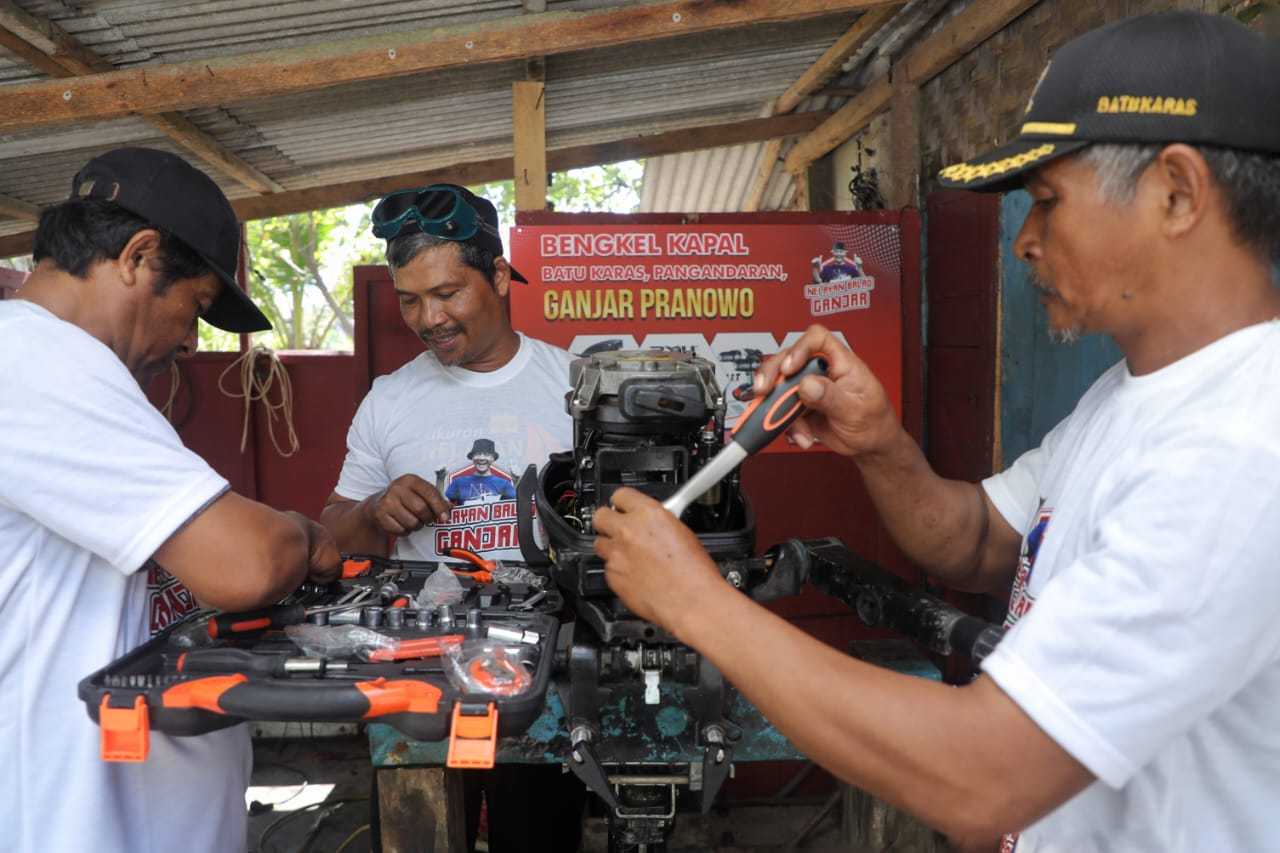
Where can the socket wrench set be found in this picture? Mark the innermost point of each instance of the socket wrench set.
(459, 650)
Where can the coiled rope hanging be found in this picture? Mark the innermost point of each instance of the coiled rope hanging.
(257, 385)
(175, 379)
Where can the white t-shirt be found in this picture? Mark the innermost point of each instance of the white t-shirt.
(431, 420)
(92, 481)
(1145, 617)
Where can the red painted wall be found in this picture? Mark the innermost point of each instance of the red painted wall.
(212, 424)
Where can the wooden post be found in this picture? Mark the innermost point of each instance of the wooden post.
(800, 201)
(903, 186)
(528, 120)
(421, 810)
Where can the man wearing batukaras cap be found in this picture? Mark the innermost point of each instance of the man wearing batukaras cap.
(95, 483)
(423, 450)
(1131, 705)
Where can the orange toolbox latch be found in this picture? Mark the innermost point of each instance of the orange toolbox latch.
(126, 732)
(473, 740)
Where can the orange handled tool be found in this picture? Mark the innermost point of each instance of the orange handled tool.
(268, 618)
(764, 420)
(484, 570)
(423, 647)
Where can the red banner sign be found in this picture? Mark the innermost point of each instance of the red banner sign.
(730, 293)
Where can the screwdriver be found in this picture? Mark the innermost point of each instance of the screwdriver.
(764, 420)
(268, 618)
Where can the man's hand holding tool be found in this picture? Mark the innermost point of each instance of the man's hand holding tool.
(408, 504)
(653, 562)
(323, 560)
(848, 410)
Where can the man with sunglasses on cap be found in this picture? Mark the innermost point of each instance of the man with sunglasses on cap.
(481, 385)
(96, 483)
(1132, 703)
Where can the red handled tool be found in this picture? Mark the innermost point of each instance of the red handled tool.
(764, 420)
(484, 568)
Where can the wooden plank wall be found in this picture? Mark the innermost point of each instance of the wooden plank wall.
(1040, 381)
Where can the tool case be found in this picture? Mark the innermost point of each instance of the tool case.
(215, 670)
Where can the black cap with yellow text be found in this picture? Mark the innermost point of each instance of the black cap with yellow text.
(1186, 77)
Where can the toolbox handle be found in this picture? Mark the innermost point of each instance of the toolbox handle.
(307, 702)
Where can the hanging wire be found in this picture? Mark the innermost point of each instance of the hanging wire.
(175, 379)
(256, 385)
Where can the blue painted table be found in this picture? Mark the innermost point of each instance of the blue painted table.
(634, 732)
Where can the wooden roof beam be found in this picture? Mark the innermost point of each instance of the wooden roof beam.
(49, 49)
(15, 208)
(500, 168)
(223, 80)
(826, 67)
(922, 63)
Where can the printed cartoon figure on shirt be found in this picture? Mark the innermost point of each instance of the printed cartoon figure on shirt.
(480, 482)
(1021, 600)
(483, 517)
(837, 267)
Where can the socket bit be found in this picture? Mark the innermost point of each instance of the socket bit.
(371, 616)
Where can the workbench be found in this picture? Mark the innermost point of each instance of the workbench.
(417, 796)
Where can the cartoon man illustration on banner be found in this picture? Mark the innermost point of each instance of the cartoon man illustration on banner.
(837, 267)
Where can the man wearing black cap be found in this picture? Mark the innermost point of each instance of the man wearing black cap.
(1131, 705)
(96, 483)
(480, 385)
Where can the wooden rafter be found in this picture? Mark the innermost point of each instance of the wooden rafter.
(922, 63)
(827, 66)
(16, 208)
(49, 49)
(223, 80)
(630, 147)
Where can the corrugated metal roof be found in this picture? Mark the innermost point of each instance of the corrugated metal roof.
(719, 181)
(389, 127)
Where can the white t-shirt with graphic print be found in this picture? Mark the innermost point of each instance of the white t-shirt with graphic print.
(433, 420)
(1145, 619)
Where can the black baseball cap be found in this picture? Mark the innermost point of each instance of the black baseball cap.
(440, 216)
(1188, 77)
(173, 195)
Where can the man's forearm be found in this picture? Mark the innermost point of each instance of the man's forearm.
(353, 527)
(939, 524)
(943, 753)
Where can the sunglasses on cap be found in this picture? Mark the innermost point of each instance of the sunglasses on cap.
(437, 210)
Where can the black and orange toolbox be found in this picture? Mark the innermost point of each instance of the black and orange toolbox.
(359, 649)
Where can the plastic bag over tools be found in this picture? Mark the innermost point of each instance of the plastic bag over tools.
(512, 573)
(338, 641)
(488, 668)
(442, 587)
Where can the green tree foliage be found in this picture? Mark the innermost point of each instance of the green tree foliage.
(300, 276)
(614, 188)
